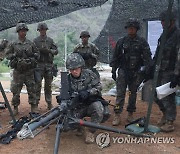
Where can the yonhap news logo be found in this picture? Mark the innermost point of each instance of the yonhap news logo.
(103, 140)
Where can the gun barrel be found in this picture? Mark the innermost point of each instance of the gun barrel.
(111, 129)
(28, 128)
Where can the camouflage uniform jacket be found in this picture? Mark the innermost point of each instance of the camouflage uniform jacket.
(170, 52)
(131, 53)
(91, 49)
(47, 49)
(177, 68)
(22, 55)
(87, 81)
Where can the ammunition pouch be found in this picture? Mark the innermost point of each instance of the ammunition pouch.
(24, 65)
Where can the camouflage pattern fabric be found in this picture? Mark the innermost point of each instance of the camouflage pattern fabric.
(129, 56)
(23, 59)
(167, 71)
(44, 68)
(90, 53)
(88, 81)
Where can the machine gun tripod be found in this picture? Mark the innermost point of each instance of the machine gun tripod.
(7, 103)
(66, 120)
(66, 117)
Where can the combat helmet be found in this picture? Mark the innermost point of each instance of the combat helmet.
(74, 60)
(21, 26)
(84, 33)
(133, 22)
(42, 26)
(164, 14)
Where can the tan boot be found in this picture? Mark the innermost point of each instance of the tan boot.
(15, 111)
(79, 131)
(34, 108)
(50, 106)
(162, 121)
(89, 137)
(116, 120)
(130, 117)
(168, 127)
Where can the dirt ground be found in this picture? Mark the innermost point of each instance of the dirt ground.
(72, 144)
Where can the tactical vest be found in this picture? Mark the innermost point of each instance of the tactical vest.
(24, 57)
(45, 57)
(132, 53)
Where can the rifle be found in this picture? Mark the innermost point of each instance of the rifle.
(65, 117)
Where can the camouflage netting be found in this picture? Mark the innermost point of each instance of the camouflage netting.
(32, 11)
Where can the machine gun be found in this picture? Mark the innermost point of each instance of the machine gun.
(65, 116)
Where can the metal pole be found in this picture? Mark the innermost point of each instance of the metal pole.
(57, 141)
(7, 103)
(179, 13)
(65, 48)
(158, 65)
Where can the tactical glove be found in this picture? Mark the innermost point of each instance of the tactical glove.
(59, 99)
(114, 74)
(83, 95)
(174, 82)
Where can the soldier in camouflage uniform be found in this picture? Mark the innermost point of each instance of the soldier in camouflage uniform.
(131, 60)
(44, 67)
(88, 51)
(3, 45)
(23, 57)
(167, 72)
(86, 84)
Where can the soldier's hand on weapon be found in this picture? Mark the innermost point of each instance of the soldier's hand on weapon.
(83, 95)
(63, 106)
(174, 82)
(59, 99)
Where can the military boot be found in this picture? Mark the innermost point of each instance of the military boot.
(89, 137)
(116, 120)
(15, 111)
(130, 117)
(162, 121)
(167, 127)
(50, 106)
(80, 131)
(34, 108)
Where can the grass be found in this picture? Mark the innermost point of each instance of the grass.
(4, 68)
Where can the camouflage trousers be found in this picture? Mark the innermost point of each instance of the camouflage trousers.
(167, 105)
(95, 110)
(19, 79)
(121, 85)
(44, 71)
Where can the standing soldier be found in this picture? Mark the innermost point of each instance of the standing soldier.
(131, 60)
(167, 72)
(88, 51)
(44, 68)
(23, 57)
(3, 45)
